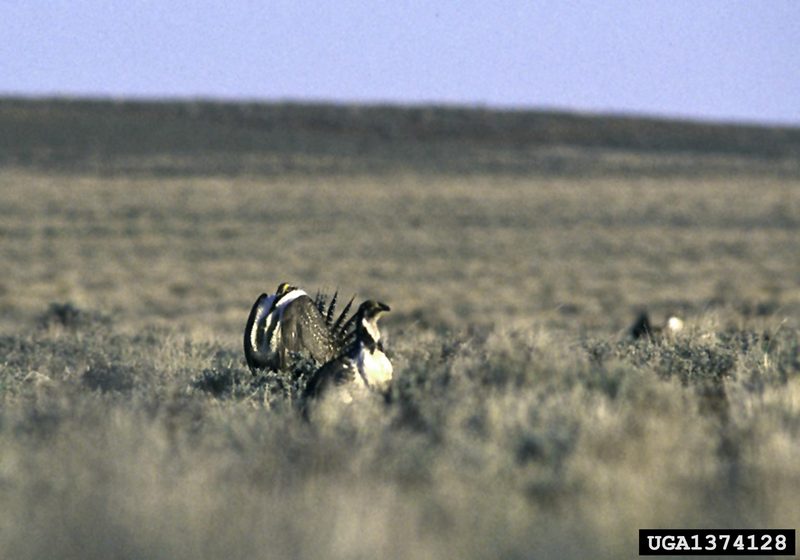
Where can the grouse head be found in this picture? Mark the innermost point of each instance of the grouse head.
(283, 289)
(367, 320)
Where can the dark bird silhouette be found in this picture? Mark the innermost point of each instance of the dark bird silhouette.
(643, 327)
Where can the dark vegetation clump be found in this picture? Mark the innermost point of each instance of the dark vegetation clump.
(223, 380)
(68, 316)
(107, 376)
(217, 382)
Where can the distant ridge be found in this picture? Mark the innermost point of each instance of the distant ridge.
(201, 137)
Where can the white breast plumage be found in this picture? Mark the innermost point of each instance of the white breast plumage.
(374, 367)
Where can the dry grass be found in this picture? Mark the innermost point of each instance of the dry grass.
(522, 423)
(580, 254)
(500, 443)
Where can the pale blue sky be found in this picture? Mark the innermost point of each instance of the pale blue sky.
(709, 59)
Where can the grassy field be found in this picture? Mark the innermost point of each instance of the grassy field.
(514, 248)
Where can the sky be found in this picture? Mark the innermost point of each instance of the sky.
(700, 59)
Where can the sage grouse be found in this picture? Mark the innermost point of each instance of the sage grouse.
(363, 365)
(289, 324)
(643, 327)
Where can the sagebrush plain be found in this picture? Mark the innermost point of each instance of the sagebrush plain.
(515, 250)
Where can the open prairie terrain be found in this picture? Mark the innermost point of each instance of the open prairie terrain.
(515, 250)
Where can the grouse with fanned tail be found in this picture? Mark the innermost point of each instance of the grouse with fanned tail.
(289, 324)
(363, 365)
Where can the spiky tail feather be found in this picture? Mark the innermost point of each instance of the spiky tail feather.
(349, 326)
(342, 321)
(319, 301)
(331, 309)
(342, 329)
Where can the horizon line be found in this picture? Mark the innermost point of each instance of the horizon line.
(398, 104)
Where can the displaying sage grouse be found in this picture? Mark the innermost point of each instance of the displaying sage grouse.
(643, 327)
(289, 324)
(363, 365)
